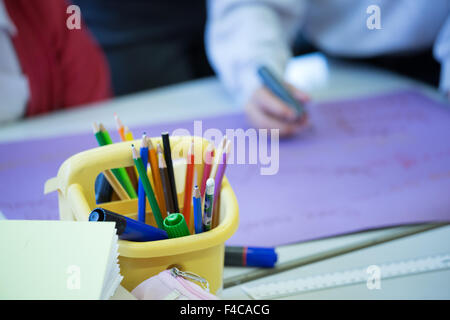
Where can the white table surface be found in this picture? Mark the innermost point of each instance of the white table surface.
(202, 98)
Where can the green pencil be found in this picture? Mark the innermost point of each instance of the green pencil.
(103, 138)
(98, 135)
(148, 188)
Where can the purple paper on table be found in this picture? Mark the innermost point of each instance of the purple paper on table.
(365, 163)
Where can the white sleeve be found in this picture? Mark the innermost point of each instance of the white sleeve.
(441, 52)
(243, 34)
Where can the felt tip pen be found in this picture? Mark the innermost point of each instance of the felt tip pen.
(127, 228)
(278, 89)
(209, 205)
(176, 226)
(250, 257)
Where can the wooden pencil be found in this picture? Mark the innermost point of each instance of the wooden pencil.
(147, 187)
(217, 158)
(218, 184)
(103, 138)
(128, 134)
(170, 172)
(188, 183)
(115, 184)
(207, 167)
(120, 127)
(197, 201)
(165, 181)
(142, 198)
(153, 158)
(129, 137)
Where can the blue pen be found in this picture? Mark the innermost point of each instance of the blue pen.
(273, 84)
(128, 229)
(197, 201)
(250, 257)
(142, 199)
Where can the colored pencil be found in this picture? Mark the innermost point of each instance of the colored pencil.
(120, 127)
(218, 184)
(188, 183)
(122, 174)
(217, 158)
(170, 173)
(197, 200)
(131, 171)
(221, 170)
(98, 135)
(142, 200)
(147, 187)
(129, 137)
(115, 184)
(128, 134)
(165, 181)
(103, 138)
(109, 176)
(153, 158)
(209, 158)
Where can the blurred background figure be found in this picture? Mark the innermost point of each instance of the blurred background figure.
(45, 66)
(244, 34)
(149, 43)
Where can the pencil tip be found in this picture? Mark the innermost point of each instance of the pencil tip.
(134, 151)
(144, 141)
(118, 122)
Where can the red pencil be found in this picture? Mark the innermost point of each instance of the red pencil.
(188, 184)
(207, 168)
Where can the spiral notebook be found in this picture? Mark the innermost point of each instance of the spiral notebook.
(58, 260)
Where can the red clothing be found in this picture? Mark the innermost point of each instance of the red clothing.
(65, 68)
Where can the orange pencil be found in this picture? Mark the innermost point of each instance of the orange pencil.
(153, 159)
(120, 127)
(188, 184)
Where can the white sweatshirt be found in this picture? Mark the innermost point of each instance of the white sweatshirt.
(243, 34)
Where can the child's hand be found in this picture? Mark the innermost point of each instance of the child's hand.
(266, 111)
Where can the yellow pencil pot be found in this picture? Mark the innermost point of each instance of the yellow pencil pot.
(202, 254)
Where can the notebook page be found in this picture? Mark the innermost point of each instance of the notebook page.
(54, 259)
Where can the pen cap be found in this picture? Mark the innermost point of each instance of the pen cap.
(210, 186)
(250, 256)
(261, 257)
(176, 226)
(101, 215)
(128, 229)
